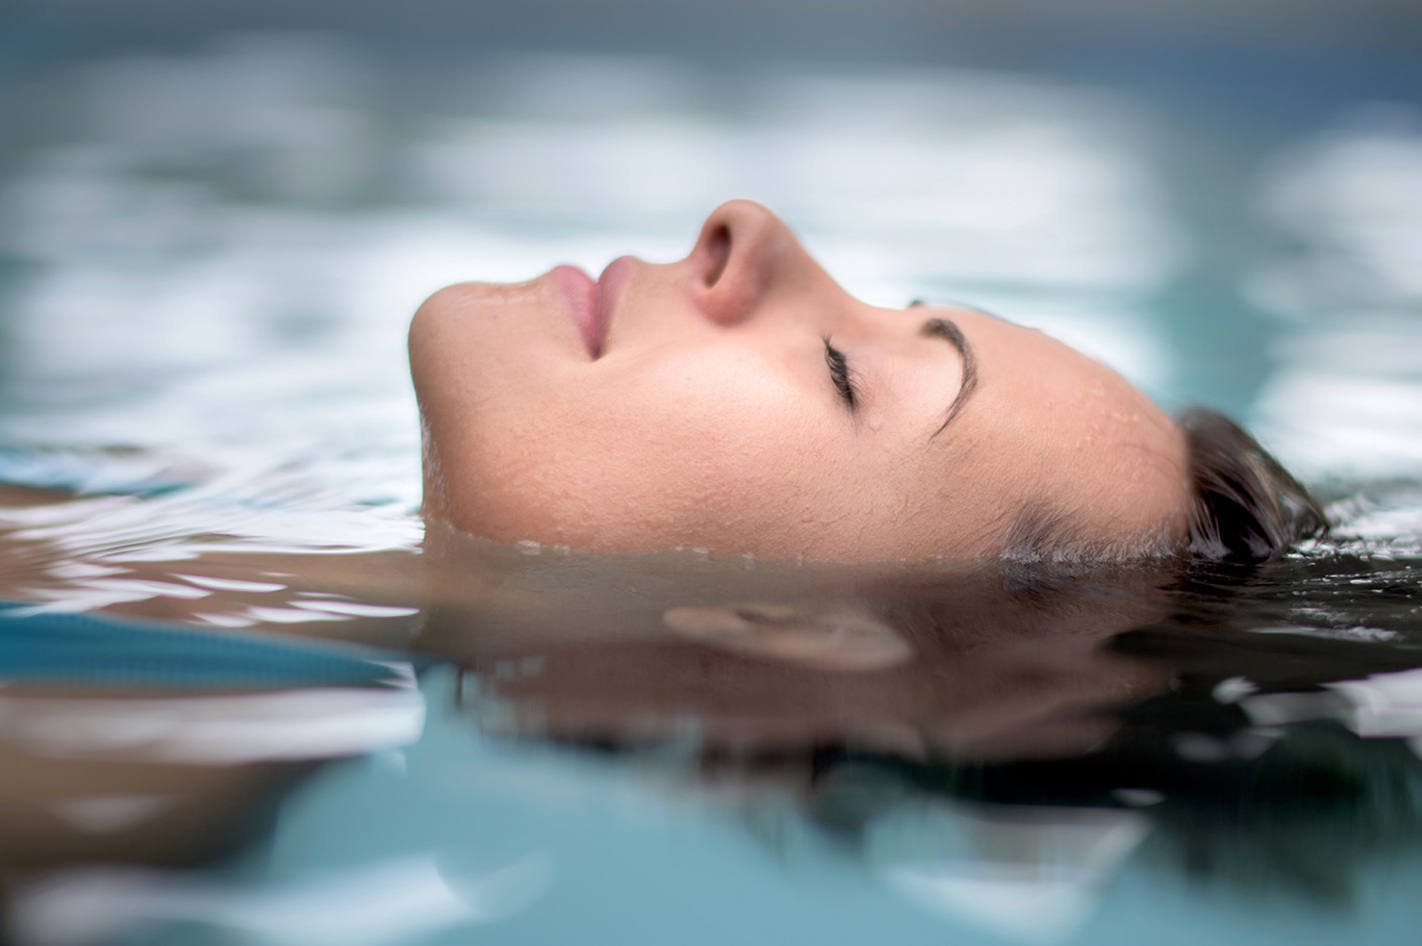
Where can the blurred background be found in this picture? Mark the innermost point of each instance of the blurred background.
(216, 218)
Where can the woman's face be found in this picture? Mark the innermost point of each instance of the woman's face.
(740, 401)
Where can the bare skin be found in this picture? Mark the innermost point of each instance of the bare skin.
(709, 412)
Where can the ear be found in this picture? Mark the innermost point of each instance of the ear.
(838, 639)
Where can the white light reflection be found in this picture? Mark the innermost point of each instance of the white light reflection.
(1347, 399)
(251, 508)
(356, 609)
(393, 901)
(232, 584)
(1382, 706)
(1030, 874)
(220, 730)
(107, 813)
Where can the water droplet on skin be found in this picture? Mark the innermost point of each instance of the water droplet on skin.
(528, 547)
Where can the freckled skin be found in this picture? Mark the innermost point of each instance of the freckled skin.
(710, 419)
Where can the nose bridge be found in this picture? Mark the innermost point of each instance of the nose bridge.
(743, 251)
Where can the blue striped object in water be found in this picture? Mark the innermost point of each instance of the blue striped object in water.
(50, 647)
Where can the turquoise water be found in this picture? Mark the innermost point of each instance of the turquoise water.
(456, 837)
(593, 847)
(210, 244)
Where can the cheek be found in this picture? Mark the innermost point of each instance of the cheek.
(718, 459)
(671, 454)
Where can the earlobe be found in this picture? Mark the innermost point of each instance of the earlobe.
(837, 640)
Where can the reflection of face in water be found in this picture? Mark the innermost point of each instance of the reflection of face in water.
(907, 659)
(741, 401)
(982, 722)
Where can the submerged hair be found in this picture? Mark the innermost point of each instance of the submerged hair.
(1244, 506)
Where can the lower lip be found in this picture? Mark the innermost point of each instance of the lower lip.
(582, 295)
(592, 303)
(609, 291)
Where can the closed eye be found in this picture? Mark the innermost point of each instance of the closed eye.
(839, 374)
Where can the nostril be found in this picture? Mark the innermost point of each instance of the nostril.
(718, 247)
(740, 253)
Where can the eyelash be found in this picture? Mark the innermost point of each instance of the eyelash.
(840, 375)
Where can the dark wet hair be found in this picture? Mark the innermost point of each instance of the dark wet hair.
(1244, 506)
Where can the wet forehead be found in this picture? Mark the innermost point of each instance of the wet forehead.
(1033, 374)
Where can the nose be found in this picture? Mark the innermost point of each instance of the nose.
(744, 252)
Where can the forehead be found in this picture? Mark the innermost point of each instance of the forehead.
(1026, 370)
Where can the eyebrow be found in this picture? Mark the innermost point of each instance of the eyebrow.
(949, 332)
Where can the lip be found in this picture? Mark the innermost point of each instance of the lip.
(582, 295)
(609, 293)
(591, 304)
